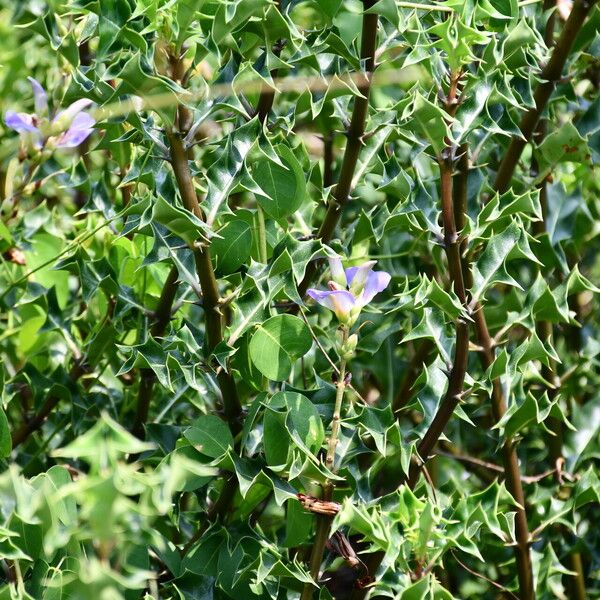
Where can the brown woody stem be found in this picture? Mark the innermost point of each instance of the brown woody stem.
(267, 96)
(461, 349)
(452, 246)
(511, 465)
(457, 267)
(213, 319)
(545, 333)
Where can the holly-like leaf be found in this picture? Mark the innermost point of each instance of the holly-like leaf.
(179, 221)
(490, 267)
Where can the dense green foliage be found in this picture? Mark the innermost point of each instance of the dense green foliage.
(180, 419)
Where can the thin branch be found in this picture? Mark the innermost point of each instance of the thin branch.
(577, 584)
(76, 242)
(328, 158)
(262, 234)
(324, 520)
(212, 302)
(322, 349)
(494, 468)
(267, 95)
(147, 375)
(340, 196)
(550, 75)
(411, 374)
(217, 509)
(511, 464)
(461, 350)
(490, 581)
(544, 329)
(456, 269)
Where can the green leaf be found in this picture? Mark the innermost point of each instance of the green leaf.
(150, 355)
(282, 186)
(187, 10)
(530, 410)
(329, 7)
(179, 221)
(233, 245)
(303, 422)
(368, 522)
(489, 267)
(456, 40)
(5, 438)
(432, 327)
(431, 292)
(519, 39)
(210, 436)
(106, 439)
(429, 121)
(277, 344)
(417, 591)
(224, 173)
(136, 77)
(298, 525)
(275, 438)
(564, 145)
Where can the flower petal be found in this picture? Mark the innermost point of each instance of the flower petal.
(357, 276)
(40, 98)
(20, 122)
(376, 282)
(337, 270)
(83, 121)
(68, 115)
(341, 302)
(73, 137)
(350, 273)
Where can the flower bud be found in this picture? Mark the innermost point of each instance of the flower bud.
(349, 348)
(346, 347)
(354, 314)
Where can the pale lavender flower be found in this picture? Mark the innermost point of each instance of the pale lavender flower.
(67, 129)
(350, 289)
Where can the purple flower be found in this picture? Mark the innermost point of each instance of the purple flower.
(350, 289)
(67, 129)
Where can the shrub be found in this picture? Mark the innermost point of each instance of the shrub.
(298, 299)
